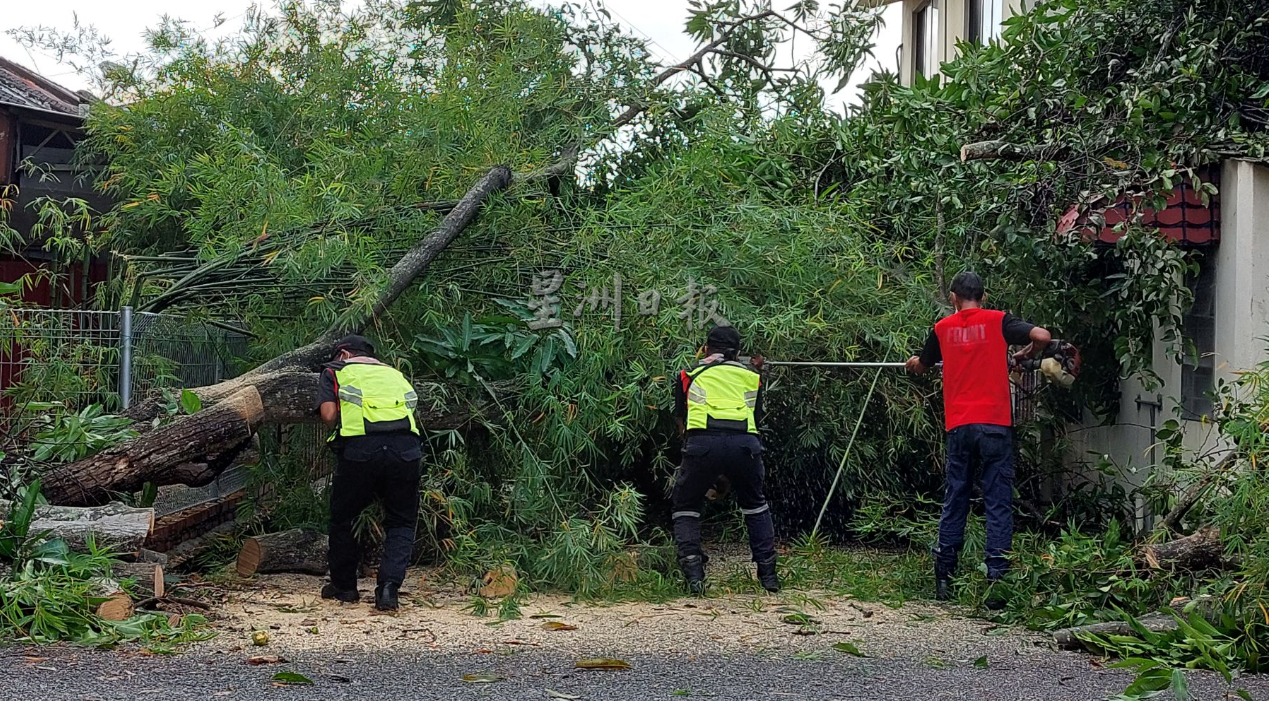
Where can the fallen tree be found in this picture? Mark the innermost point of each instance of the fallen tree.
(281, 390)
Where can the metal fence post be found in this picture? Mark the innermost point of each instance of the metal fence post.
(125, 356)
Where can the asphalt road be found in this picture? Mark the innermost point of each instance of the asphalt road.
(65, 673)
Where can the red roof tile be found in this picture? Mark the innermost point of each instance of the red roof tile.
(1185, 219)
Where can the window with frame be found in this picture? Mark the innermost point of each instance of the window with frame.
(926, 41)
(984, 20)
(1197, 377)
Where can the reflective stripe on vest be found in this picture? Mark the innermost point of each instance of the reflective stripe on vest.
(374, 399)
(722, 396)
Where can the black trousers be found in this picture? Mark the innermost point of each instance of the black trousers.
(396, 483)
(738, 456)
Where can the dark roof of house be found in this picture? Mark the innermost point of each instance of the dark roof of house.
(22, 88)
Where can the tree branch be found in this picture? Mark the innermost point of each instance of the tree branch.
(1002, 150)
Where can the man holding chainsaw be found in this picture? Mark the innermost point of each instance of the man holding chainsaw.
(377, 441)
(718, 405)
(973, 345)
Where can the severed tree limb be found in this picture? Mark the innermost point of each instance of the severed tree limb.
(1197, 491)
(1002, 150)
(116, 526)
(1164, 621)
(1199, 551)
(289, 551)
(150, 458)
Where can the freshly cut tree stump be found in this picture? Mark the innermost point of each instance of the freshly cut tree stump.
(290, 551)
(116, 526)
(118, 607)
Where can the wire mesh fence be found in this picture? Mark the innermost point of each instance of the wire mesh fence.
(75, 358)
(61, 362)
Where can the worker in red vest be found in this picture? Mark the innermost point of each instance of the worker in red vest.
(973, 345)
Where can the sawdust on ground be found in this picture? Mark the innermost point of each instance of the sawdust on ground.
(439, 618)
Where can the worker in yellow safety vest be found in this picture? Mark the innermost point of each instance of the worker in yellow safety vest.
(718, 404)
(371, 407)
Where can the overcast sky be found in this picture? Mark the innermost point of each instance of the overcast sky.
(123, 21)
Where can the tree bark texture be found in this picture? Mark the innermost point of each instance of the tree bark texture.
(116, 526)
(1199, 551)
(290, 551)
(153, 457)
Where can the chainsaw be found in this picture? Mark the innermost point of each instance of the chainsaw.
(1060, 362)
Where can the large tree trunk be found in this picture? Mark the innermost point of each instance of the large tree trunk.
(116, 526)
(153, 457)
(290, 551)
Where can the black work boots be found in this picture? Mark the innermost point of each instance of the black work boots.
(386, 596)
(331, 592)
(695, 573)
(944, 581)
(766, 573)
(996, 598)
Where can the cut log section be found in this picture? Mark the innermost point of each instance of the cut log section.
(1198, 551)
(148, 576)
(290, 551)
(190, 549)
(117, 607)
(116, 526)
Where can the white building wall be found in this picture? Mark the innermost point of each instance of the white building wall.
(1241, 336)
(952, 27)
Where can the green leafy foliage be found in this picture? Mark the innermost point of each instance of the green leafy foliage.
(66, 436)
(50, 593)
(276, 176)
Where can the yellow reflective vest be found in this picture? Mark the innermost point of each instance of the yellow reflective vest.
(373, 399)
(721, 396)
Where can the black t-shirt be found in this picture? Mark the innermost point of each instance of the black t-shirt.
(404, 445)
(1015, 332)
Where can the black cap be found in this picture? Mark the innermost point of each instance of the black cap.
(724, 337)
(356, 343)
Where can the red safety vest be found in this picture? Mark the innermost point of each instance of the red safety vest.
(974, 377)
